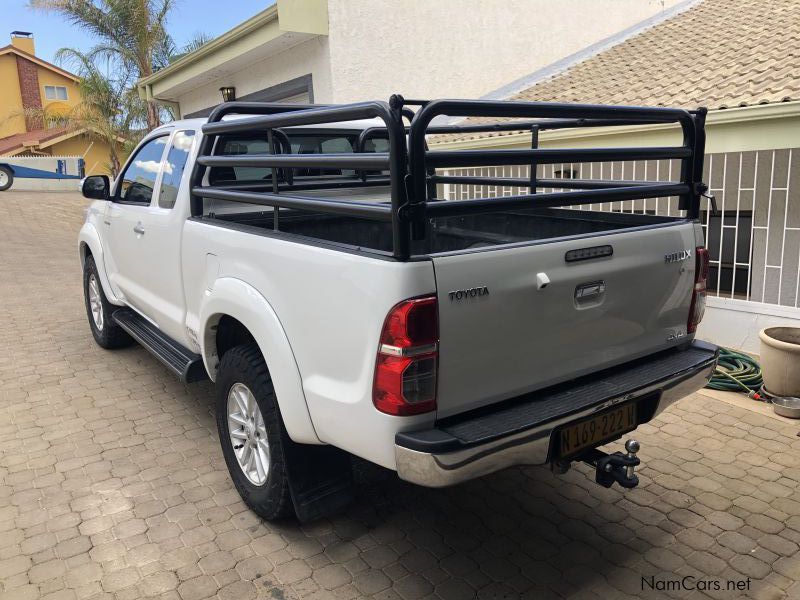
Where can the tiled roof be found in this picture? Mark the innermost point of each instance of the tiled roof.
(718, 54)
(10, 49)
(13, 143)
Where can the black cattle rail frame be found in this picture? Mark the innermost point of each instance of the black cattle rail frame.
(412, 166)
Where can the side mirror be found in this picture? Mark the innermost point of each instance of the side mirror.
(96, 187)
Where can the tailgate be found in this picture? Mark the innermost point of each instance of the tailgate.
(502, 335)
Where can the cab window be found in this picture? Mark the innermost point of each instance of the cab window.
(300, 143)
(239, 147)
(139, 179)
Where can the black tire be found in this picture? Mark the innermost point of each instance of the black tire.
(108, 334)
(245, 365)
(9, 177)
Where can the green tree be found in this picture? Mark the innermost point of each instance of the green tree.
(132, 35)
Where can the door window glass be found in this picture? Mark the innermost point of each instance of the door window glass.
(139, 179)
(174, 167)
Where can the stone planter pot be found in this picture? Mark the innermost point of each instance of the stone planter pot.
(780, 360)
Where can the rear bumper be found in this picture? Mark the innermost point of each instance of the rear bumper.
(519, 431)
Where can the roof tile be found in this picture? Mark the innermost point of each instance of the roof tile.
(29, 138)
(718, 54)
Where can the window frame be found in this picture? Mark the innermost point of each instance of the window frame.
(55, 89)
(156, 182)
(722, 282)
(196, 133)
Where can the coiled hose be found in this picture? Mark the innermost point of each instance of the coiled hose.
(737, 372)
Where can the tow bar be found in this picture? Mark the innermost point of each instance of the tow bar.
(610, 468)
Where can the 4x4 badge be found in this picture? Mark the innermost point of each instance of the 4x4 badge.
(677, 256)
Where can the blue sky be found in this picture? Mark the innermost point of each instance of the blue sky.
(212, 17)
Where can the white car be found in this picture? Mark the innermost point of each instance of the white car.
(301, 258)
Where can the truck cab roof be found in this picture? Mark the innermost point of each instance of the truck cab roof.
(198, 122)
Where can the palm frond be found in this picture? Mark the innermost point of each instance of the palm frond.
(132, 39)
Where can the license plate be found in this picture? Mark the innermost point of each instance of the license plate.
(595, 430)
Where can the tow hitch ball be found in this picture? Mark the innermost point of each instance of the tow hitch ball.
(612, 468)
(617, 467)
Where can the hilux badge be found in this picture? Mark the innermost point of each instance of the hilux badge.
(677, 256)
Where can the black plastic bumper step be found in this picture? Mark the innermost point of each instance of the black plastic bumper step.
(538, 407)
(180, 360)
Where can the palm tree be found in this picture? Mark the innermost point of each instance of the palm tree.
(111, 109)
(198, 40)
(132, 35)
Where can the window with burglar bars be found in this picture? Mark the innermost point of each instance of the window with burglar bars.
(753, 240)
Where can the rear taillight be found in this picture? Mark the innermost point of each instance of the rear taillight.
(405, 372)
(698, 306)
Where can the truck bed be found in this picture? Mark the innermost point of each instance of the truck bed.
(451, 234)
(531, 290)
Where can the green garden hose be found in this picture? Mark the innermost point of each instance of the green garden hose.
(737, 372)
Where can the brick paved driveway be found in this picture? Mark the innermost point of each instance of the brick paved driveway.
(113, 484)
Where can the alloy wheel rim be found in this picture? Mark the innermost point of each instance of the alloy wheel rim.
(95, 304)
(3, 178)
(248, 434)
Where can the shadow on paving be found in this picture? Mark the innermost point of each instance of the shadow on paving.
(526, 532)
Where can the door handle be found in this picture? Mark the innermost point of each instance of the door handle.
(138, 228)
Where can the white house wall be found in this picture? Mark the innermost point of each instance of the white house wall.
(736, 323)
(423, 48)
(309, 57)
(462, 48)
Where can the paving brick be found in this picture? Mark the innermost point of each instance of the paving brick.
(737, 542)
(253, 568)
(778, 545)
(765, 523)
(158, 583)
(238, 590)
(292, 571)
(198, 588)
(14, 566)
(788, 567)
(46, 571)
(332, 577)
(217, 562)
(664, 559)
(118, 580)
(268, 543)
(113, 486)
(694, 538)
(725, 521)
(73, 547)
(750, 566)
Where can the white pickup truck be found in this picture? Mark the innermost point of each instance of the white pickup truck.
(302, 258)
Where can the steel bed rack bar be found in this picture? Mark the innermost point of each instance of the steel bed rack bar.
(412, 178)
(272, 117)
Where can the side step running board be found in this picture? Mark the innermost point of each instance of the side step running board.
(183, 362)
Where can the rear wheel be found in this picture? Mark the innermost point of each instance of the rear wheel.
(6, 178)
(252, 433)
(106, 332)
